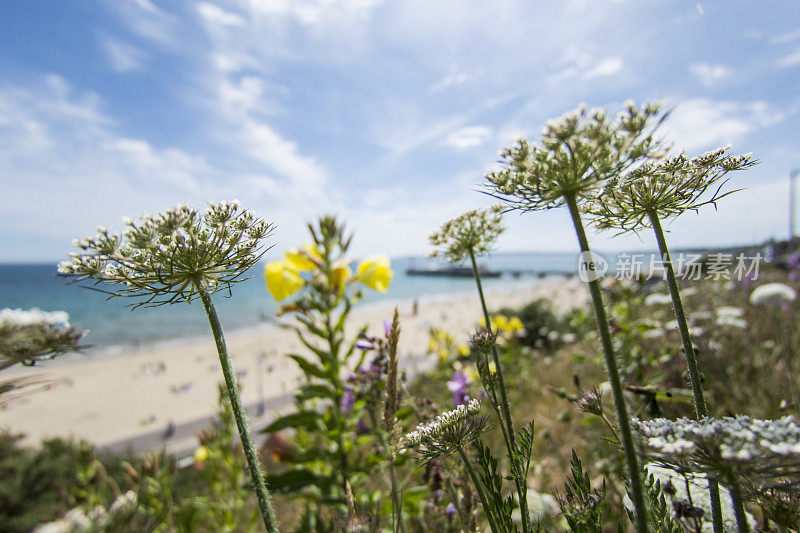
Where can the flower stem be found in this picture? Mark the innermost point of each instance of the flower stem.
(694, 373)
(738, 508)
(270, 522)
(507, 425)
(479, 489)
(634, 472)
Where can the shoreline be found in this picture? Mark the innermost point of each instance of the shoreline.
(110, 399)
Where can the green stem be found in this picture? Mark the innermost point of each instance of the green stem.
(631, 460)
(507, 425)
(738, 508)
(700, 406)
(270, 522)
(397, 501)
(479, 489)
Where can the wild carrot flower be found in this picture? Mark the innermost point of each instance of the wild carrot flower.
(728, 449)
(26, 336)
(666, 188)
(162, 259)
(473, 232)
(448, 431)
(578, 153)
(772, 294)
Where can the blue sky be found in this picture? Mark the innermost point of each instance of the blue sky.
(387, 113)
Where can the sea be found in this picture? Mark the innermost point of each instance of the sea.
(114, 328)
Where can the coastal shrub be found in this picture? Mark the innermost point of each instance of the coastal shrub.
(38, 484)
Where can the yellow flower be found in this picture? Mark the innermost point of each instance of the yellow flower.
(515, 324)
(492, 367)
(306, 258)
(340, 274)
(282, 279)
(472, 374)
(433, 345)
(200, 454)
(375, 272)
(463, 350)
(444, 353)
(500, 322)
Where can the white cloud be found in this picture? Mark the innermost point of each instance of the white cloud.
(62, 161)
(215, 15)
(311, 12)
(702, 123)
(790, 60)
(709, 75)
(123, 57)
(265, 144)
(468, 137)
(453, 78)
(607, 67)
(785, 38)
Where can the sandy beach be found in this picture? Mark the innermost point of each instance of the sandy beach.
(113, 399)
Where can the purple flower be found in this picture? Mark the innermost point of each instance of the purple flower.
(348, 400)
(387, 327)
(450, 510)
(362, 427)
(458, 386)
(748, 278)
(793, 262)
(363, 345)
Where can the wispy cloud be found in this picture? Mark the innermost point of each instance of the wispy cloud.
(467, 137)
(607, 67)
(122, 56)
(709, 75)
(702, 123)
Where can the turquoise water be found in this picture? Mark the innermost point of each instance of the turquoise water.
(112, 325)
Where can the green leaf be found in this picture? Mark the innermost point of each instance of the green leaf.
(313, 390)
(300, 419)
(309, 368)
(292, 480)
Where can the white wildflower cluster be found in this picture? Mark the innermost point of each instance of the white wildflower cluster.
(772, 294)
(26, 335)
(685, 488)
(163, 258)
(433, 429)
(473, 232)
(658, 298)
(728, 447)
(97, 519)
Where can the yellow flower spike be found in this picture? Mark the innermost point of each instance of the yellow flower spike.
(433, 346)
(200, 454)
(375, 272)
(463, 350)
(282, 279)
(444, 353)
(515, 324)
(492, 367)
(306, 258)
(340, 274)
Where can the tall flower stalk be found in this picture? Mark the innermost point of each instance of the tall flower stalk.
(657, 191)
(328, 413)
(578, 154)
(473, 234)
(179, 256)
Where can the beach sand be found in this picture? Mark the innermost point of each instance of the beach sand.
(114, 399)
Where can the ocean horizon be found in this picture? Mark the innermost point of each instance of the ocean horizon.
(114, 328)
